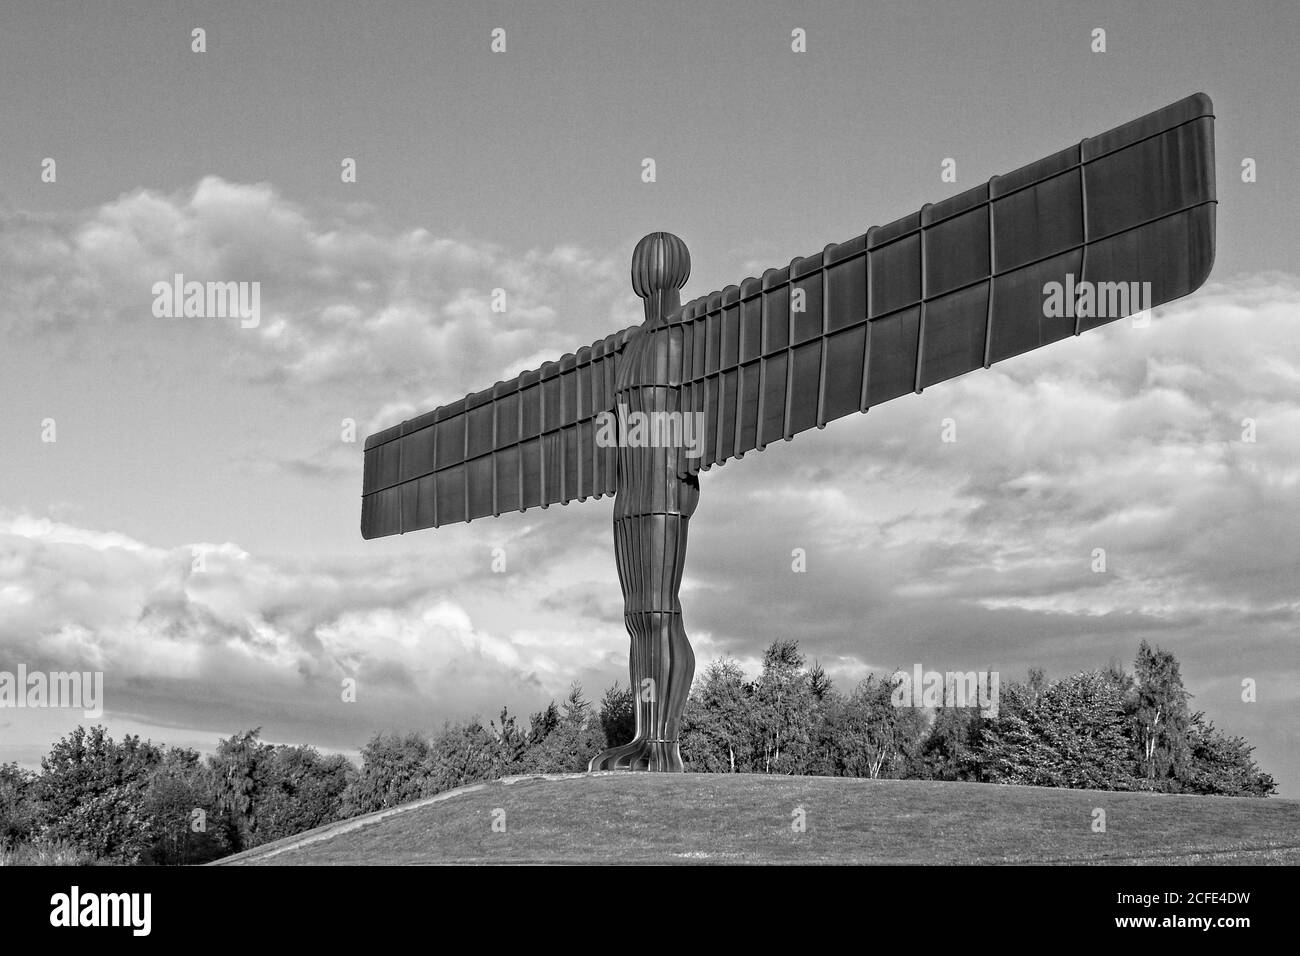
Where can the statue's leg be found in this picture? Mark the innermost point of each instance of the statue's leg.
(662, 663)
(618, 758)
(650, 550)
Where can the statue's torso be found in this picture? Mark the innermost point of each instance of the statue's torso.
(648, 383)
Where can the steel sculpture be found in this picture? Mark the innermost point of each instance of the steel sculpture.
(956, 286)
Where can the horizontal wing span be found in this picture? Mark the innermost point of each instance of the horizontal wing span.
(521, 444)
(956, 286)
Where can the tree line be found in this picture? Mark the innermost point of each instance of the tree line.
(136, 802)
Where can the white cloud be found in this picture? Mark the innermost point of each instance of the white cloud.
(168, 636)
(347, 302)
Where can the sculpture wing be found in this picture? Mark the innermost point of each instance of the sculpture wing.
(520, 444)
(954, 287)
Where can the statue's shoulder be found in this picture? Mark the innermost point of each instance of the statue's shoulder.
(627, 336)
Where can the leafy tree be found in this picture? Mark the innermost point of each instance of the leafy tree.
(264, 792)
(827, 713)
(877, 738)
(236, 767)
(718, 730)
(512, 741)
(1223, 765)
(576, 709)
(783, 709)
(91, 793)
(1123, 682)
(543, 722)
(617, 715)
(572, 740)
(950, 748)
(462, 754)
(820, 684)
(1161, 721)
(18, 814)
(298, 789)
(393, 771)
(1071, 734)
(177, 787)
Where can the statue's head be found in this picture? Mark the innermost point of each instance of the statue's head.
(660, 267)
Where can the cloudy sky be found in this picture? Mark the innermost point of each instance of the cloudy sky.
(522, 171)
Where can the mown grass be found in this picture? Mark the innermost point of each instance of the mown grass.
(743, 818)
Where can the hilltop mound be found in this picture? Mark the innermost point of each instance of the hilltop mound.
(746, 818)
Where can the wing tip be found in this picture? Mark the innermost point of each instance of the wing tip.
(1200, 277)
(1203, 105)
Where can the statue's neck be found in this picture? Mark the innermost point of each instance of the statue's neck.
(660, 305)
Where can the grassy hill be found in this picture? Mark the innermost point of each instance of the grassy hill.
(744, 818)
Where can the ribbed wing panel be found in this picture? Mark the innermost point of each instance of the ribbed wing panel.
(1121, 222)
(521, 444)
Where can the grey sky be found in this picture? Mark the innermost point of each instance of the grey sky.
(522, 170)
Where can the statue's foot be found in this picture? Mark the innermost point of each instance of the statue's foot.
(615, 758)
(661, 756)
